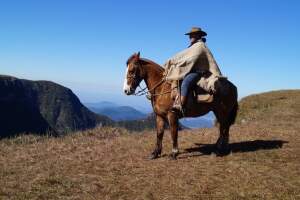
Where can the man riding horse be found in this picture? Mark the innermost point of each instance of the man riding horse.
(190, 65)
(193, 65)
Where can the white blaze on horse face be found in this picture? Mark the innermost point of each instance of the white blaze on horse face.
(126, 87)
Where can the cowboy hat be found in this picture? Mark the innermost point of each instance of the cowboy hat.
(196, 30)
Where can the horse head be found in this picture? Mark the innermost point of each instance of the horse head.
(134, 74)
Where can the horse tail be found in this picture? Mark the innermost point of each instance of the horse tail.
(235, 108)
(228, 96)
(233, 113)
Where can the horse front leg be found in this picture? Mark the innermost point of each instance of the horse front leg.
(173, 123)
(160, 123)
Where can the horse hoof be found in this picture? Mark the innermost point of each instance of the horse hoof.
(153, 156)
(219, 153)
(173, 156)
(222, 151)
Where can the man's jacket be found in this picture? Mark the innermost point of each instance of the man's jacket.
(197, 58)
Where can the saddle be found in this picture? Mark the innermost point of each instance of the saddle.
(197, 93)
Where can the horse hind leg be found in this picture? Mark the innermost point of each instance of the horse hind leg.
(222, 144)
(226, 112)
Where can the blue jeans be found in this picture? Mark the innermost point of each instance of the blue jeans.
(188, 82)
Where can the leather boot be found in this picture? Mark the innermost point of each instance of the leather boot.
(179, 104)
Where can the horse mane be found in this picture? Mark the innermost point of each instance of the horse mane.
(145, 61)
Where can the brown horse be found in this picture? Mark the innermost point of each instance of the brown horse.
(224, 105)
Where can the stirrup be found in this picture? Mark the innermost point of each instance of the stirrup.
(178, 110)
(177, 106)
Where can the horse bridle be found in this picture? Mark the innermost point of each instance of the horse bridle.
(138, 80)
(144, 91)
(134, 77)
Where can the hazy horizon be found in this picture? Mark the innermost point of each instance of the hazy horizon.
(84, 46)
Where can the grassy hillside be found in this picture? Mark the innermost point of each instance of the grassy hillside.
(272, 107)
(110, 163)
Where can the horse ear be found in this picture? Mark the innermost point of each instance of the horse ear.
(138, 55)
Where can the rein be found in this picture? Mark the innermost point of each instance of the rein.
(148, 94)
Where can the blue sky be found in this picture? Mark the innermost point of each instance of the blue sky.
(84, 44)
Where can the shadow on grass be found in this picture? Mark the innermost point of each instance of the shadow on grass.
(237, 147)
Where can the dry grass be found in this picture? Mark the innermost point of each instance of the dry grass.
(276, 107)
(110, 163)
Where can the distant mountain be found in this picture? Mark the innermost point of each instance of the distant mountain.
(206, 121)
(116, 112)
(143, 124)
(40, 107)
(197, 122)
(101, 104)
(138, 125)
(122, 114)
